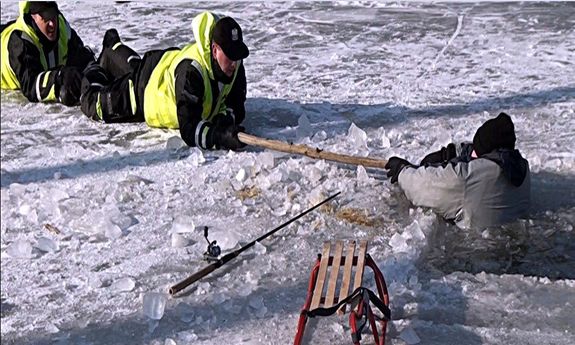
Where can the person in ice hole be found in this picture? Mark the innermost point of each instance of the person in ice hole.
(476, 185)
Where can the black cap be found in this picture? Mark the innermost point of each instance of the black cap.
(497, 133)
(228, 35)
(48, 9)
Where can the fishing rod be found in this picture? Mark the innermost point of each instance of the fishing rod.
(226, 258)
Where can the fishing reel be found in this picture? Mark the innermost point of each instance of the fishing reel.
(213, 251)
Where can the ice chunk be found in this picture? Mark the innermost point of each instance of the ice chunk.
(170, 341)
(275, 177)
(202, 288)
(553, 164)
(187, 337)
(227, 239)
(185, 312)
(409, 336)
(313, 174)
(251, 279)
(174, 143)
(266, 159)
(245, 290)
(52, 328)
(154, 304)
(259, 248)
(58, 194)
(263, 182)
(385, 141)
(316, 196)
(319, 137)
(123, 284)
(183, 224)
(219, 298)
(362, 174)
(357, 136)
(24, 209)
(111, 230)
(29, 212)
(303, 127)
(398, 243)
(179, 241)
(18, 190)
(196, 157)
(32, 216)
(241, 175)
(46, 244)
(20, 249)
(114, 215)
(414, 230)
(94, 282)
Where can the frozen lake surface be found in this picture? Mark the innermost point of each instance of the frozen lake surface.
(99, 220)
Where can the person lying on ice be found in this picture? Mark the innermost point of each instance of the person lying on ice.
(476, 185)
(200, 88)
(42, 55)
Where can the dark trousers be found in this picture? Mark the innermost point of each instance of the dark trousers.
(108, 88)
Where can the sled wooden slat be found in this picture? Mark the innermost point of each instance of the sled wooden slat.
(335, 263)
(360, 264)
(317, 293)
(344, 290)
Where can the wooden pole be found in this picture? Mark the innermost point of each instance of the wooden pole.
(310, 151)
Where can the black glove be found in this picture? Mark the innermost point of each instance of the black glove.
(395, 165)
(442, 156)
(70, 82)
(223, 120)
(227, 137)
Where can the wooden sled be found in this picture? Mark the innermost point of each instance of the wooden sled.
(325, 299)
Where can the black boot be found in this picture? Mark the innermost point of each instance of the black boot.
(111, 37)
(117, 58)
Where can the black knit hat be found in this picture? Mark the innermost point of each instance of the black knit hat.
(47, 9)
(228, 35)
(497, 133)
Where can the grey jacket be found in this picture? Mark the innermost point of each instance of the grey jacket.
(475, 193)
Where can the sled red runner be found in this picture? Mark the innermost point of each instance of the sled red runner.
(325, 299)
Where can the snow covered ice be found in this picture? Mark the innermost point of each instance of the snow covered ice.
(372, 79)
